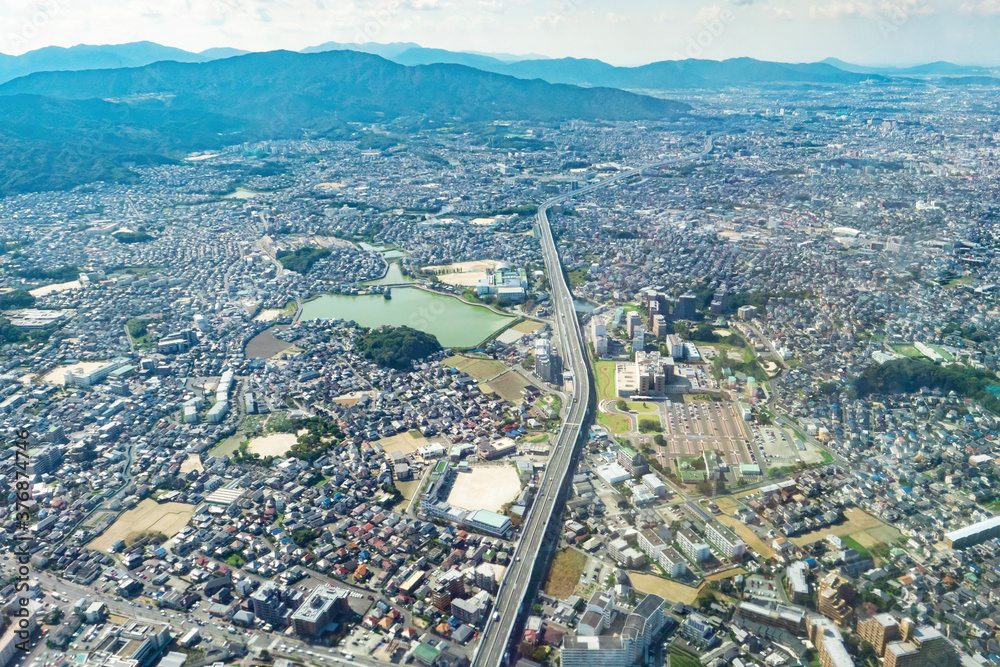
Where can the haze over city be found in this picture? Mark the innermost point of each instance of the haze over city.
(872, 32)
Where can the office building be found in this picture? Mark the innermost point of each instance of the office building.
(687, 307)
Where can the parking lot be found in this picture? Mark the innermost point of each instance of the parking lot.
(691, 428)
(776, 445)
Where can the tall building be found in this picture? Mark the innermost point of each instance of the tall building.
(922, 646)
(687, 307)
(836, 598)
(268, 606)
(632, 322)
(726, 540)
(632, 461)
(545, 360)
(879, 630)
(720, 302)
(829, 643)
(324, 604)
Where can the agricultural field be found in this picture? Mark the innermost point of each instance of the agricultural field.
(148, 516)
(565, 573)
(481, 369)
(510, 386)
(860, 526)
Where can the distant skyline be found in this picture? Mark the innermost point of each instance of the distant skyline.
(621, 32)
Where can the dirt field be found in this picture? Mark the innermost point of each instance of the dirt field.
(192, 462)
(668, 590)
(268, 315)
(57, 375)
(747, 536)
(485, 488)
(462, 273)
(352, 399)
(481, 369)
(859, 525)
(276, 444)
(510, 386)
(407, 443)
(565, 573)
(148, 516)
(58, 287)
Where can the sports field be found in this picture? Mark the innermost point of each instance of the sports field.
(148, 516)
(485, 488)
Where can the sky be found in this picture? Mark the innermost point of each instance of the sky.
(622, 32)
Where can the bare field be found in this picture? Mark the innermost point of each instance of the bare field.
(147, 516)
(276, 444)
(192, 462)
(485, 488)
(58, 287)
(668, 590)
(57, 375)
(406, 443)
(462, 273)
(268, 315)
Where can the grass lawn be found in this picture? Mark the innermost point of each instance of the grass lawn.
(565, 573)
(642, 406)
(604, 372)
(681, 658)
(907, 351)
(290, 308)
(940, 350)
(853, 544)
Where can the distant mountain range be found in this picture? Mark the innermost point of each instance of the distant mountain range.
(62, 128)
(581, 72)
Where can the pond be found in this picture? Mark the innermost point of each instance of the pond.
(453, 322)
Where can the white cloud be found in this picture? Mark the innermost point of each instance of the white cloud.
(613, 18)
(983, 7)
(708, 14)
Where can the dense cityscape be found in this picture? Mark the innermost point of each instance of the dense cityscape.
(316, 401)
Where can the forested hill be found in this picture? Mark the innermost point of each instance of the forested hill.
(59, 129)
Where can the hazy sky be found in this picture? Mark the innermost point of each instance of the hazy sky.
(618, 31)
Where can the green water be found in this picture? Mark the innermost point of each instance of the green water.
(393, 277)
(454, 323)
